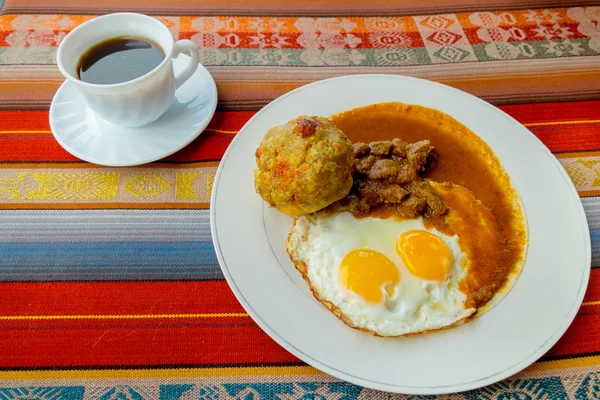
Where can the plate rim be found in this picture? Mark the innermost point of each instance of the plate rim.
(214, 95)
(419, 390)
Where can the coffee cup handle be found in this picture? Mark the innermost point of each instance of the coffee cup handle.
(179, 47)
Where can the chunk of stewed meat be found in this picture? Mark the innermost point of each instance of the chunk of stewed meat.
(424, 190)
(360, 149)
(394, 171)
(399, 148)
(381, 148)
(364, 165)
(412, 207)
(385, 169)
(375, 193)
(420, 155)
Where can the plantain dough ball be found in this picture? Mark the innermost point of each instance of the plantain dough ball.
(304, 165)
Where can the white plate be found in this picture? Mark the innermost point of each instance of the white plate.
(80, 132)
(249, 240)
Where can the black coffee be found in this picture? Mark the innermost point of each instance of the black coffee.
(119, 60)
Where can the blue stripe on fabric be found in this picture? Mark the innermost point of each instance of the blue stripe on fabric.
(145, 252)
(108, 261)
(595, 236)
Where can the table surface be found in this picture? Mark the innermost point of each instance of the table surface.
(109, 283)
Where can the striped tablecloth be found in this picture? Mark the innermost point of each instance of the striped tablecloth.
(110, 288)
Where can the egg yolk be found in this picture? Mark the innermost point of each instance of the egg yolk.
(366, 271)
(425, 255)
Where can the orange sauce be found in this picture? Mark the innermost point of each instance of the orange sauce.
(463, 159)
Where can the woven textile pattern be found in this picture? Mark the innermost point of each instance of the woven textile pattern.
(109, 284)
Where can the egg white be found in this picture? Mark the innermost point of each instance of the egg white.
(319, 243)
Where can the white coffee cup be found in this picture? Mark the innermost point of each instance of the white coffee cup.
(140, 101)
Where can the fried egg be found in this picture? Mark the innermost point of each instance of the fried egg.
(386, 276)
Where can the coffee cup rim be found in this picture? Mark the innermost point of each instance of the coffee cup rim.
(86, 25)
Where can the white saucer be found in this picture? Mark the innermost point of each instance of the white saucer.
(79, 131)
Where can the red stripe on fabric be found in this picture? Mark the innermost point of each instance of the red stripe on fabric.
(213, 142)
(20, 146)
(24, 120)
(230, 121)
(177, 341)
(563, 138)
(126, 322)
(524, 113)
(38, 148)
(139, 341)
(85, 298)
(209, 146)
(593, 289)
(558, 111)
(38, 120)
(122, 298)
(128, 346)
(582, 335)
